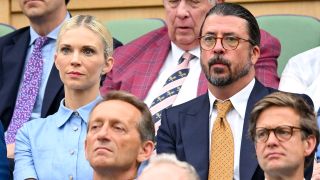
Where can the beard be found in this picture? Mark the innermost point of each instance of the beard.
(218, 80)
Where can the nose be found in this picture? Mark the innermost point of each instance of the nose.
(182, 10)
(272, 140)
(75, 59)
(103, 134)
(218, 48)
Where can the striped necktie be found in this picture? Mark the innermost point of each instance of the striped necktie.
(28, 92)
(170, 90)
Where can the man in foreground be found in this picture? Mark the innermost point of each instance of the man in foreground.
(285, 132)
(120, 136)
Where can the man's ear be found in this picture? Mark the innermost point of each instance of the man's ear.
(309, 145)
(255, 54)
(146, 151)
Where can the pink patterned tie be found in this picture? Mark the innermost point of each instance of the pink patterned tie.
(29, 90)
(170, 90)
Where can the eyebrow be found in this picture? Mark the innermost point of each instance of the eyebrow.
(89, 46)
(65, 45)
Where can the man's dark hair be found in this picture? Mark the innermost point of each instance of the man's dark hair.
(230, 9)
(67, 1)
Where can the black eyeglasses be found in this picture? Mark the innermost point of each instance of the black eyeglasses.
(282, 133)
(208, 42)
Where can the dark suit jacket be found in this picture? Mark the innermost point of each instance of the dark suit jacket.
(184, 131)
(4, 168)
(13, 51)
(138, 63)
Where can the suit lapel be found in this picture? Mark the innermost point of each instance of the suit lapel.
(248, 160)
(195, 135)
(12, 63)
(14, 59)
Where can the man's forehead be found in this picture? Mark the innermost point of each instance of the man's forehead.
(228, 24)
(115, 109)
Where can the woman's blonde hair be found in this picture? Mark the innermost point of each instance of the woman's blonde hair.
(94, 25)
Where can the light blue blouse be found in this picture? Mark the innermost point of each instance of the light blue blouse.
(53, 147)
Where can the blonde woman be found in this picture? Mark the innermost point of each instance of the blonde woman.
(53, 147)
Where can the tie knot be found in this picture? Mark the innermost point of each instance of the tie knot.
(223, 107)
(40, 41)
(186, 57)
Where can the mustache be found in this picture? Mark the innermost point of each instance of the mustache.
(218, 59)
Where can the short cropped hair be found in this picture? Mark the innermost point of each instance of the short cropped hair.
(308, 121)
(171, 159)
(145, 125)
(230, 9)
(67, 1)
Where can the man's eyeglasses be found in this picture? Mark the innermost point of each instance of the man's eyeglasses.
(208, 42)
(282, 133)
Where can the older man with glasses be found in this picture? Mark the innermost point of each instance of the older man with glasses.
(285, 132)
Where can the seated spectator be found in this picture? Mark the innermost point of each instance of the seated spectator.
(53, 147)
(284, 130)
(16, 51)
(302, 75)
(120, 136)
(143, 66)
(168, 167)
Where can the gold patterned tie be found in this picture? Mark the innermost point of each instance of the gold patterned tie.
(222, 146)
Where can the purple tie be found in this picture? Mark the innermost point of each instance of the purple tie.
(170, 90)
(29, 90)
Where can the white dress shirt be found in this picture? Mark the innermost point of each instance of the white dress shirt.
(189, 87)
(235, 118)
(302, 75)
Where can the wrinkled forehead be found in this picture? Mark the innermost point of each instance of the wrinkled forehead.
(116, 111)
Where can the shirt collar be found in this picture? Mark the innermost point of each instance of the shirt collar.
(65, 113)
(52, 35)
(178, 52)
(239, 100)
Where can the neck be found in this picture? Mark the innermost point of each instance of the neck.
(45, 24)
(228, 91)
(284, 177)
(188, 47)
(114, 175)
(286, 174)
(74, 99)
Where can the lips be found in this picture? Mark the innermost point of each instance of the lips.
(102, 149)
(273, 155)
(76, 73)
(183, 29)
(27, 1)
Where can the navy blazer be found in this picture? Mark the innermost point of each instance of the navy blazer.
(184, 131)
(4, 167)
(13, 51)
